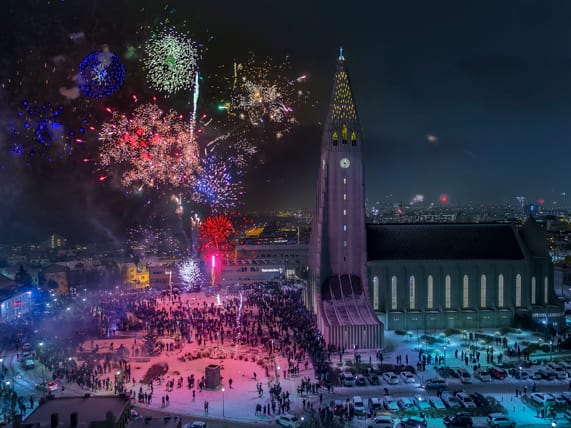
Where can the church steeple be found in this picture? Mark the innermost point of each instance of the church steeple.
(342, 130)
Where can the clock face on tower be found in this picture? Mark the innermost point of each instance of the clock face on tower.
(344, 163)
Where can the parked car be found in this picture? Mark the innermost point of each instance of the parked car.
(480, 399)
(360, 380)
(405, 403)
(465, 400)
(559, 370)
(407, 377)
(375, 379)
(547, 374)
(536, 375)
(450, 400)
(338, 407)
(287, 420)
(347, 379)
(28, 364)
(358, 405)
(412, 422)
(464, 376)
(375, 404)
(498, 373)
(195, 424)
(518, 374)
(567, 415)
(484, 375)
(567, 396)
(47, 386)
(437, 403)
(421, 402)
(543, 398)
(436, 383)
(391, 404)
(499, 420)
(382, 421)
(390, 378)
(460, 420)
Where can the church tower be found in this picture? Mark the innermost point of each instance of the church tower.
(337, 290)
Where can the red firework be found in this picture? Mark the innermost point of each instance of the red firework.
(216, 231)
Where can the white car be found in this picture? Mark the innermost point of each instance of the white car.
(359, 405)
(407, 377)
(499, 420)
(484, 375)
(464, 376)
(382, 421)
(195, 424)
(287, 420)
(421, 402)
(543, 398)
(465, 400)
(390, 378)
(348, 379)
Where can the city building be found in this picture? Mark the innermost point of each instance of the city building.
(14, 301)
(337, 291)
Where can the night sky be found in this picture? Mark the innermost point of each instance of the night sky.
(465, 98)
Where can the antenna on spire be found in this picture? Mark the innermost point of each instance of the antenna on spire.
(341, 57)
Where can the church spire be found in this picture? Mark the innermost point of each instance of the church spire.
(342, 107)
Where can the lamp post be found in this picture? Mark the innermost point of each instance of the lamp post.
(444, 347)
(278, 373)
(223, 402)
(169, 273)
(551, 350)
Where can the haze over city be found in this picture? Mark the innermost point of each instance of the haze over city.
(464, 99)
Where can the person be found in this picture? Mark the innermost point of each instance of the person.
(230, 383)
(256, 379)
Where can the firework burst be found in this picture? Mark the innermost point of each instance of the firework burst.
(100, 74)
(150, 148)
(170, 61)
(190, 273)
(216, 186)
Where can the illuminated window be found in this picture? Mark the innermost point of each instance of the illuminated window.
(533, 290)
(344, 196)
(518, 290)
(500, 290)
(545, 289)
(344, 228)
(465, 291)
(344, 212)
(411, 292)
(353, 139)
(483, 291)
(447, 292)
(344, 133)
(344, 181)
(376, 293)
(393, 292)
(430, 292)
(344, 243)
(335, 138)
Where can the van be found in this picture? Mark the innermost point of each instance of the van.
(359, 405)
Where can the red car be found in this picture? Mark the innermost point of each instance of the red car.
(498, 373)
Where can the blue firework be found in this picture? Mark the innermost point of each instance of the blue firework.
(100, 74)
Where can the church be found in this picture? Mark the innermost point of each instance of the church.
(365, 278)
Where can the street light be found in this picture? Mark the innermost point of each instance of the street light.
(444, 347)
(223, 402)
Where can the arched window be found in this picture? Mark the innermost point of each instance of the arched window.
(430, 292)
(500, 290)
(533, 290)
(353, 139)
(483, 297)
(465, 291)
(344, 132)
(411, 292)
(518, 290)
(394, 300)
(335, 138)
(447, 292)
(376, 293)
(545, 289)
